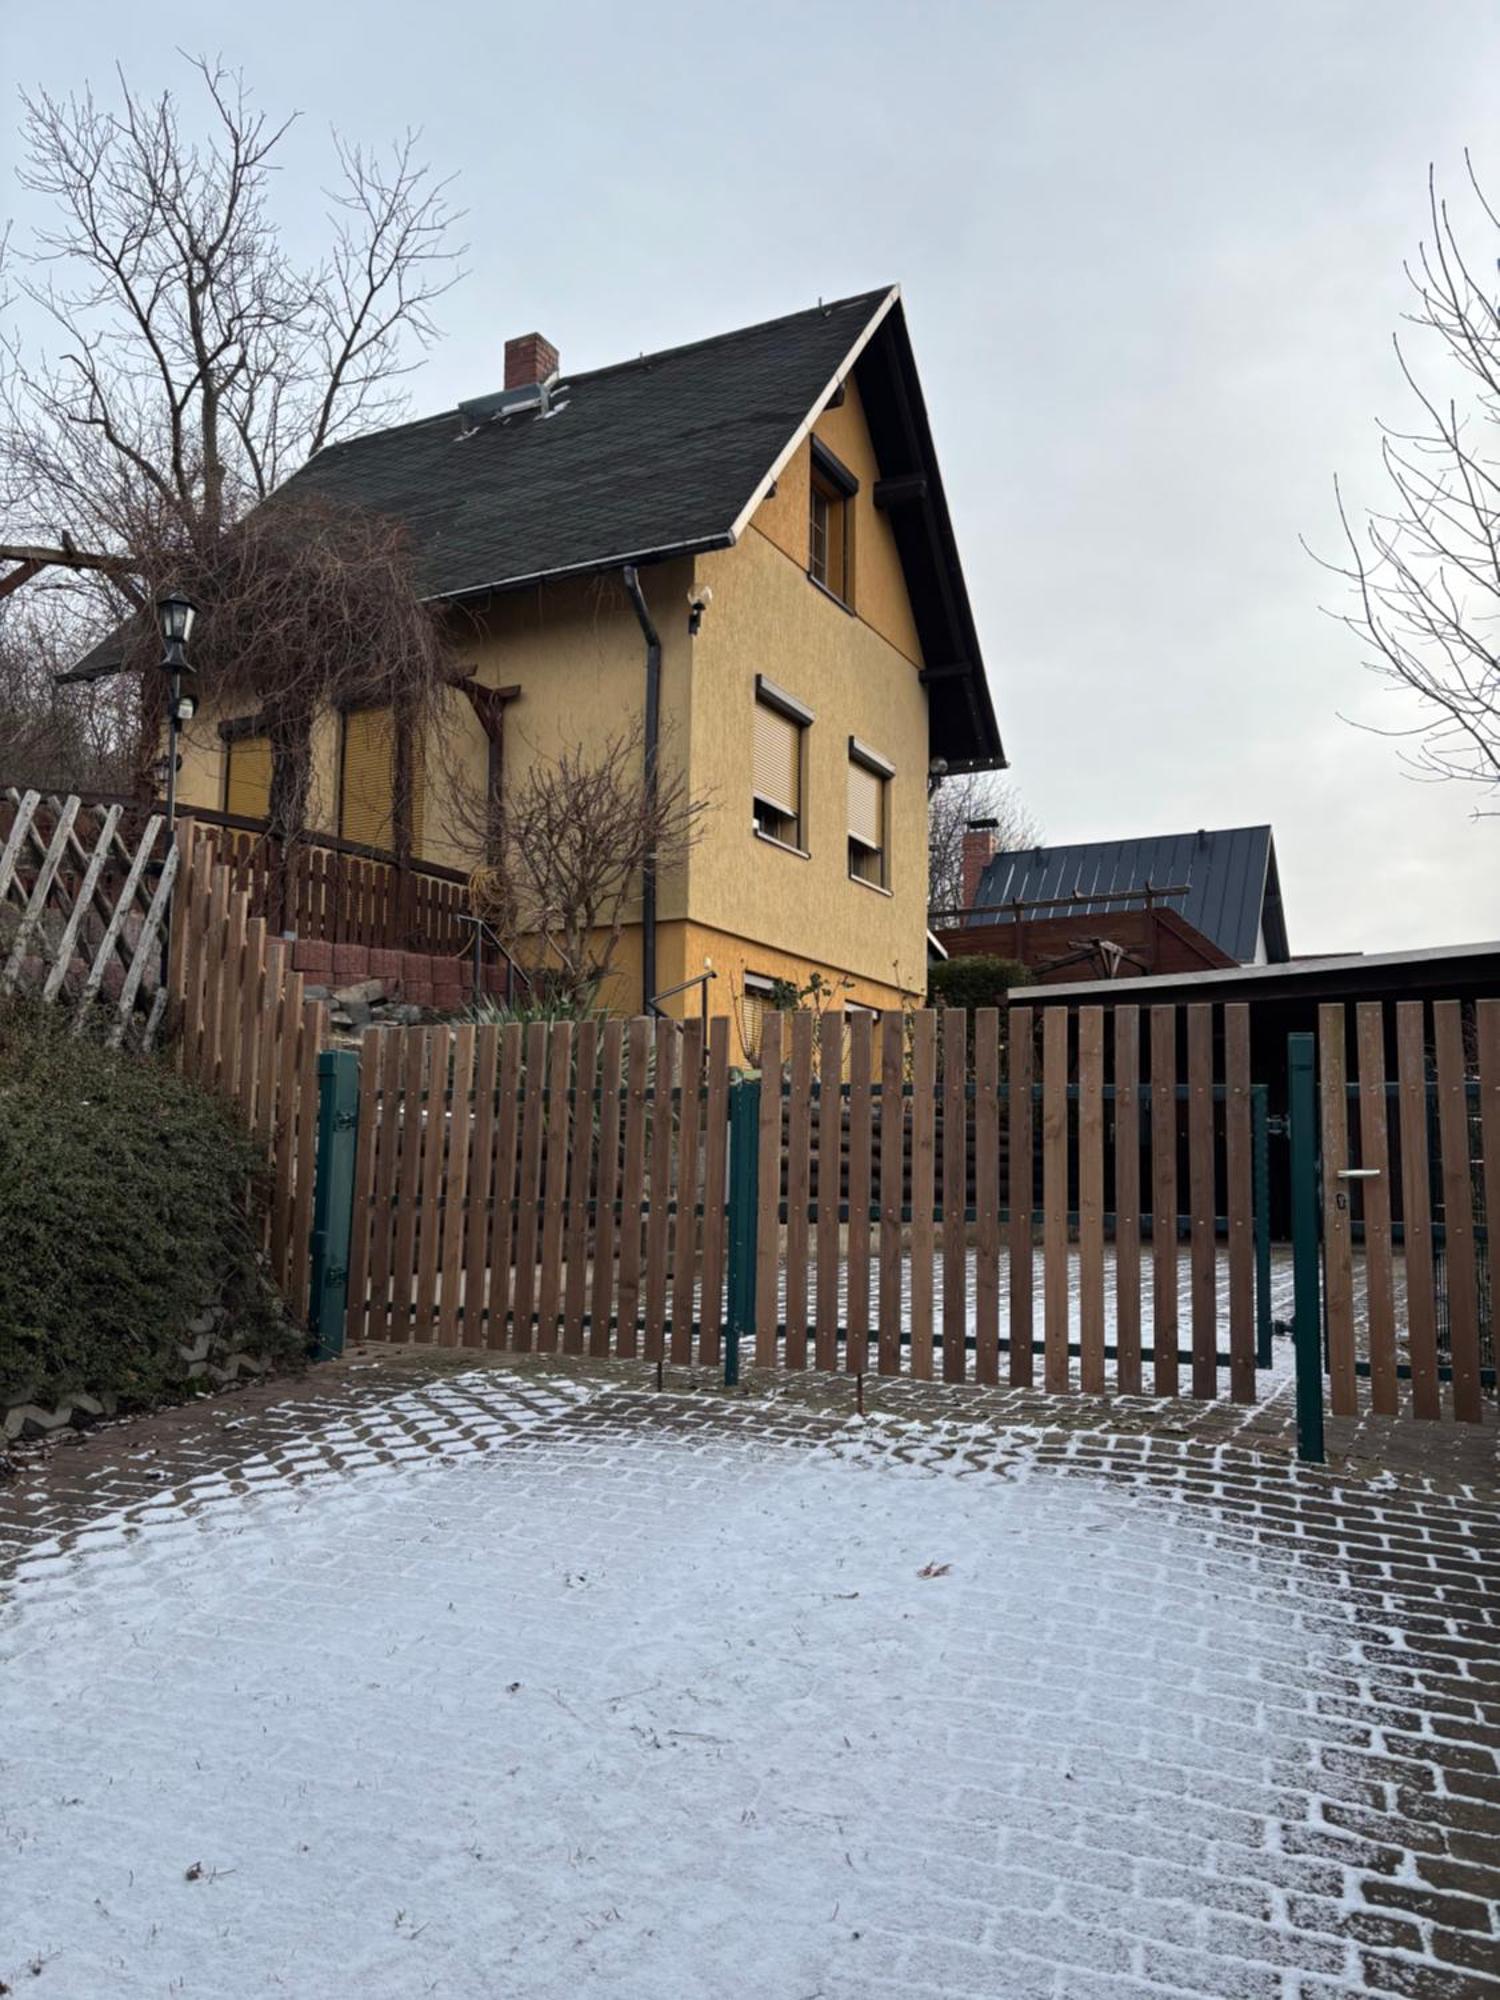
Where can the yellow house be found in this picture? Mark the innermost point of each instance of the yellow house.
(776, 494)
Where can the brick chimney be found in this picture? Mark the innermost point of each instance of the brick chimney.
(979, 852)
(530, 360)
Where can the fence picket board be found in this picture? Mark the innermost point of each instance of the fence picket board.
(1091, 1199)
(798, 1164)
(110, 939)
(715, 1167)
(923, 1196)
(232, 973)
(461, 1117)
(408, 1193)
(768, 1192)
(830, 1103)
(659, 1195)
(81, 902)
(580, 1169)
(955, 1194)
(147, 953)
(1203, 1280)
(1338, 1253)
(1374, 1152)
(555, 1183)
(36, 903)
(1416, 1206)
(857, 1309)
(314, 1023)
(480, 1193)
(1240, 1200)
(288, 1034)
(1487, 1034)
(26, 805)
(1127, 1052)
(892, 1177)
(1458, 1211)
(501, 1323)
(251, 990)
(529, 1193)
(987, 1195)
(1021, 1174)
(685, 1227)
(627, 1332)
(1055, 1259)
(1164, 1369)
(606, 1188)
(429, 1213)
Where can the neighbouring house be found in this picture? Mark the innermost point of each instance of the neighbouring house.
(1107, 909)
(778, 493)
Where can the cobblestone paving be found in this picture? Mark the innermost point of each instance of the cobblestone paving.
(422, 1678)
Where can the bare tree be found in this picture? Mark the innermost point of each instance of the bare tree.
(1424, 571)
(56, 738)
(957, 800)
(566, 855)
(194, 364)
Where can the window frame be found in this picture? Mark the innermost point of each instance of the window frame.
(770, 696)
(832, 483)
(882, 770)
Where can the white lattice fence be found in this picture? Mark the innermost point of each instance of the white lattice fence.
(82, 906)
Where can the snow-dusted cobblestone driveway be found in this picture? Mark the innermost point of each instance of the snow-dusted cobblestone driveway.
(511, 1682)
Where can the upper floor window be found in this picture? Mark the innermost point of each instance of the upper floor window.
(869, 815)
(247, 769)
(830, 556)
(777, 760)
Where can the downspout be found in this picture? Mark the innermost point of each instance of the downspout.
(652, 742)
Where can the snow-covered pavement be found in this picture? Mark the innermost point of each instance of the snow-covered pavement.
(520, 1683)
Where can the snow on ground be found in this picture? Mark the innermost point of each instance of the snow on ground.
(597, 1706)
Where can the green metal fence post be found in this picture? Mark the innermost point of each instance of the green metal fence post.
(1260, 1175)
(744, 1213)
(333, 1199)
(1302, 1111)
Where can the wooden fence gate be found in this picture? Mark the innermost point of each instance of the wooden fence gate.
(921, 1194)
(1409, 1206)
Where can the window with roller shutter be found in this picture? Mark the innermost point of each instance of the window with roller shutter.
(367, 782)
(869, 815)
(247, 774)
(777, 764)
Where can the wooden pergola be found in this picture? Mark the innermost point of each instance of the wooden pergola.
(28, 561)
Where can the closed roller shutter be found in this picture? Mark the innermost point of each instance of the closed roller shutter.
(777, 760)
(247, 776)
(865, 789)
(367, 782)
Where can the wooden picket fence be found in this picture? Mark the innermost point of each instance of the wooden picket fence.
(245, 1031)
(83, 901)
(1410, 1115)
(916, 1195)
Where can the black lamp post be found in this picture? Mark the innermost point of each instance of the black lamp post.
(176, 614)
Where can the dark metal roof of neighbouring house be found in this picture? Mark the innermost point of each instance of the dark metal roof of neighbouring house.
(1233, 892)
(662, 456)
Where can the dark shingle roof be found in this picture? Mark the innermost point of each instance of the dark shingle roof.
(1233, 892)
(649, 456)
(661, 456)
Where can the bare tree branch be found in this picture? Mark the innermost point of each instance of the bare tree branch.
(957, 800)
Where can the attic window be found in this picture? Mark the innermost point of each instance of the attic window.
(830, 554)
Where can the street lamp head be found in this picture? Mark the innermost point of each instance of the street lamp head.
(176, 614)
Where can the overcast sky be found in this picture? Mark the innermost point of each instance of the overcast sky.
(1151, 257)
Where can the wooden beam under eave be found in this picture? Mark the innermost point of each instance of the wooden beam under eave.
(63, 558)
(902, 489)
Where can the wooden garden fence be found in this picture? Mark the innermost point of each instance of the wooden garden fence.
(245, 1032)
(915, 1196)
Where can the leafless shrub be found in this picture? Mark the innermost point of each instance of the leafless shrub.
(567, 851)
